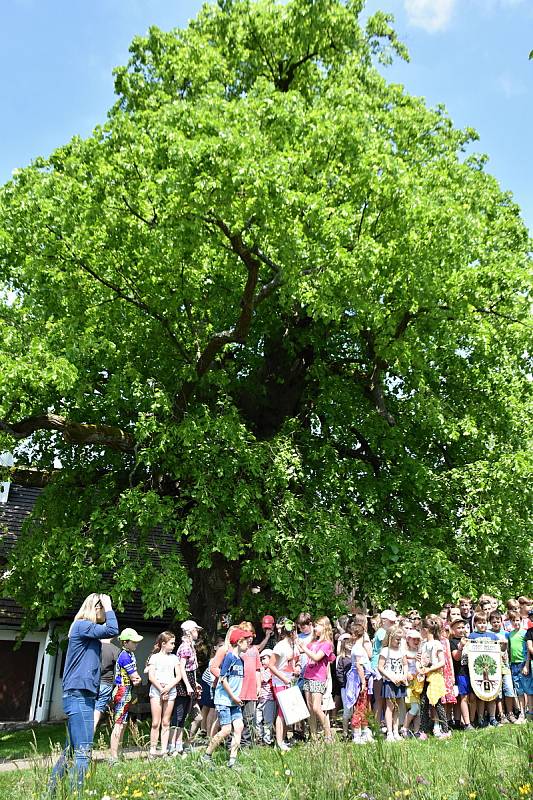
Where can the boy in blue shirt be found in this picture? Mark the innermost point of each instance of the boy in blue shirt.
(228, 702)
(126, 676)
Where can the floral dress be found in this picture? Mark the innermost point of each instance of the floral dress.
(448, 673)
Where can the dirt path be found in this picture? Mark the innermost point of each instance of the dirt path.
(47, 761)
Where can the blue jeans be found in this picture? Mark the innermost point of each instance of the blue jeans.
(78, 705)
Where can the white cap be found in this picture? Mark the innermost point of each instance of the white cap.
(266, 652)
(388, 614)
(190, 625)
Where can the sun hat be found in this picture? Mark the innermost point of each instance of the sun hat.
(190, 625)
(389, 614)
(130, 635)
(412, 634)
(238, 634)
(268, 622)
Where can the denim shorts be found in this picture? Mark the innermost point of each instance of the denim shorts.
(518, 678)
(104, 697)
(507, 689)
(527, 682)
(228, 714)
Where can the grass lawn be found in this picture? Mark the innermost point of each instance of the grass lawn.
(483, 765)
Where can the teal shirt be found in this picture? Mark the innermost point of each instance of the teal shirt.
(377, 644)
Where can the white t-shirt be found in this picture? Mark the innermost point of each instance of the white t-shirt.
(164, 665)
(412, 656)
(359, 651)
(393, 661)
(431, 653)
(288, 656)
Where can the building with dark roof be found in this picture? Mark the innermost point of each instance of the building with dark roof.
(30, 677)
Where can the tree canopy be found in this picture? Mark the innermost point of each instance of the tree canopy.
(273, 306)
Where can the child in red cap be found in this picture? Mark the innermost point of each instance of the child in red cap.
(228, 702)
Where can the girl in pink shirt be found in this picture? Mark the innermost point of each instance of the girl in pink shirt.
(319, 656)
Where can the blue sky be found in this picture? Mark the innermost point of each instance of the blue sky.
(56, 58)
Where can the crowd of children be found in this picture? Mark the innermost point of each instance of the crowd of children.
(403, 676)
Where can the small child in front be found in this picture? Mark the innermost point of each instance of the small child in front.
(228, 702)
(266, 705)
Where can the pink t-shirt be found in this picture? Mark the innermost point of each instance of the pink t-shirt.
(252, 664)
(318, 670)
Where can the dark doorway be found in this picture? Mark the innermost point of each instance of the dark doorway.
(17, 676)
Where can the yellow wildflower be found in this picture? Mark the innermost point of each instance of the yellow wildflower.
(137, 793)
(524, 790)
(472, 795)
(406, 792)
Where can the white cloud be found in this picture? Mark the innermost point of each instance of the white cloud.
(510, 86)
(431, 15)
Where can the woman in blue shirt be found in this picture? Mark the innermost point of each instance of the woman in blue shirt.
(94, 621)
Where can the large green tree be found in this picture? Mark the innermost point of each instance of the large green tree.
(273, 307)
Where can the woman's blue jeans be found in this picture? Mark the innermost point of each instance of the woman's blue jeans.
(78, 705)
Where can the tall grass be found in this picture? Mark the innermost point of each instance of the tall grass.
(481, 766)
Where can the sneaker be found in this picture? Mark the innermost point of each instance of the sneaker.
(520, 719)
(390, 737)
(422, 736)
(397, 737)
(468, 728)
(447, 735)
(482, 723)
(284, 747)
(504, 720)
(493, 722)
(367, 736)
(357, 738)
(437, 730)
(153, 754)
(206, 758)
(232, 762)
(404, 733)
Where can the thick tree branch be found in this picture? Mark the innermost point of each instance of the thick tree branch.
(287, 71)
(239, 331)
(374, 388)
(73, 432)
(363, 453)
(252, 259)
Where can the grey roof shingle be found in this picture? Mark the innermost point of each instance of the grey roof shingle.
(20, 502)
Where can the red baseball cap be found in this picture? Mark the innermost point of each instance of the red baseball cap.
(268, 622)
(238, 634)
